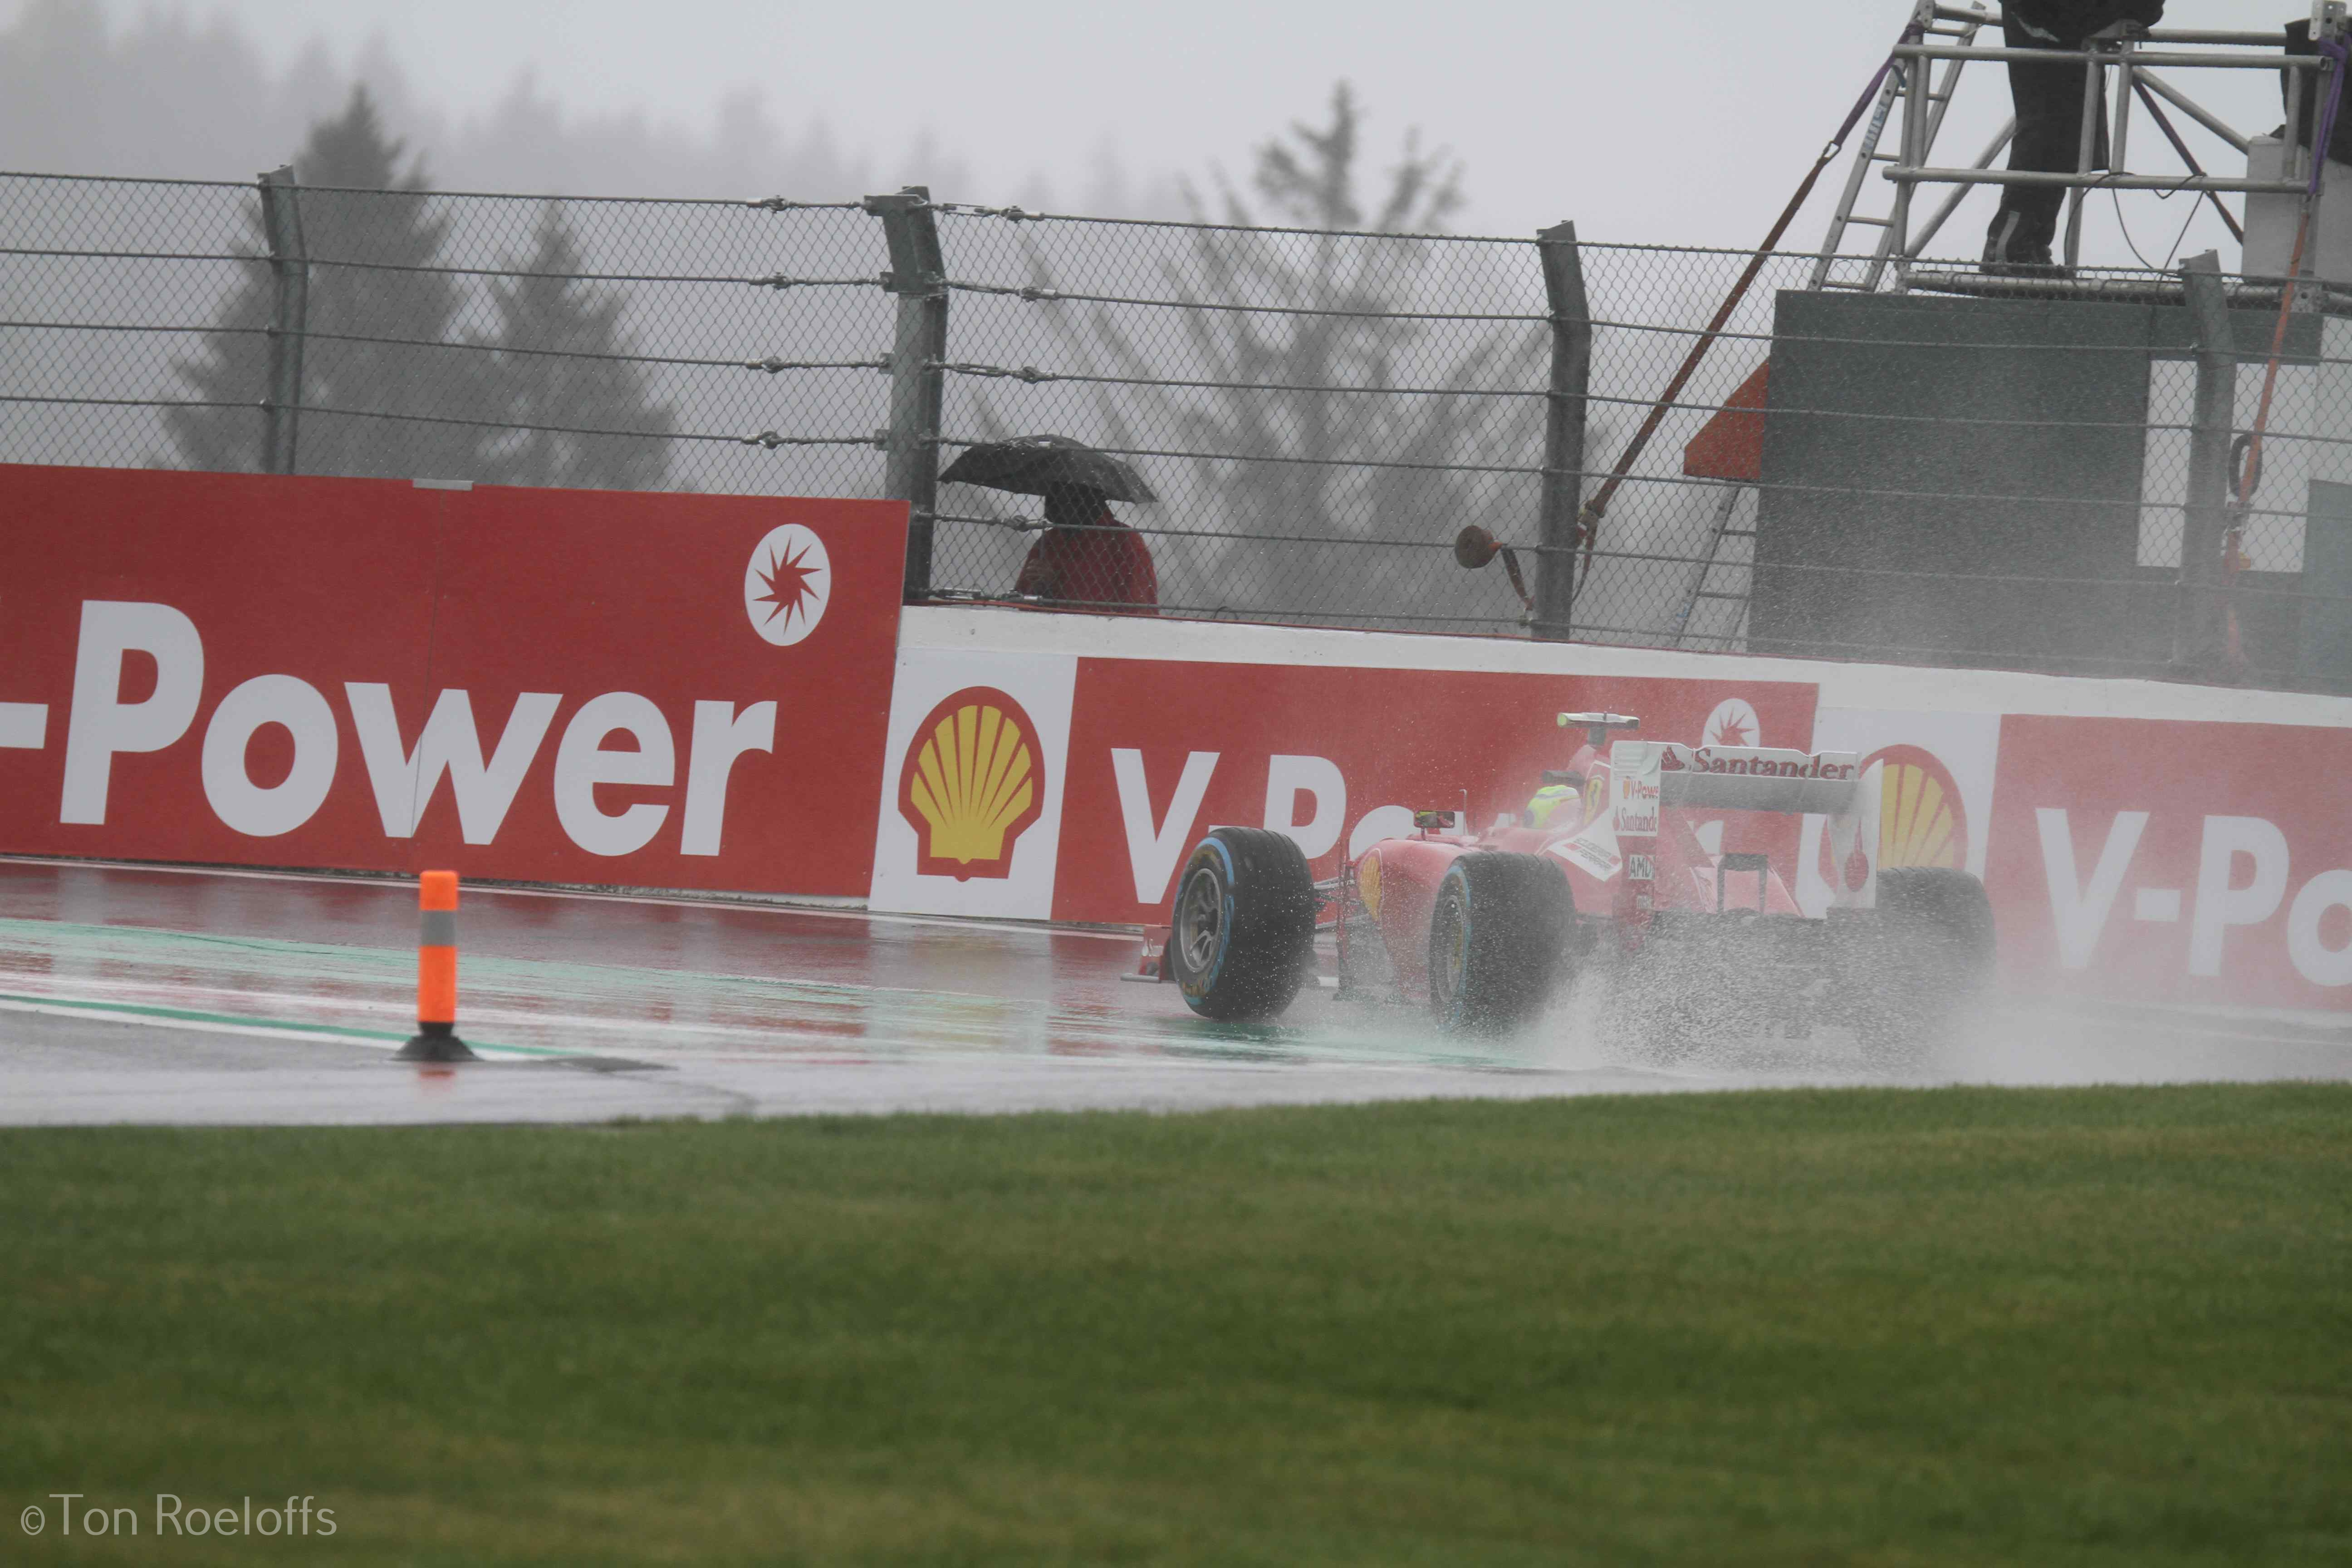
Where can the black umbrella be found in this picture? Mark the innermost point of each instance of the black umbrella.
(1031, 464)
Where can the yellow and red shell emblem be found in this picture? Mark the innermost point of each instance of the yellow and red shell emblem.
(1367, 882)
(971, 784)
(1921, 821)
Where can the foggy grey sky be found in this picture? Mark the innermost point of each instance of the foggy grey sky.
(1672, 121)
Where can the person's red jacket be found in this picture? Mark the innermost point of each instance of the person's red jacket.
(1100, 567)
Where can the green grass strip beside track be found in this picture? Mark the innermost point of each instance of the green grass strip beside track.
(1899, 1327)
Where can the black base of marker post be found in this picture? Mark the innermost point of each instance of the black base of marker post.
(435, 1043)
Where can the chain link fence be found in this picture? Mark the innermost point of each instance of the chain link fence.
(1964, 471)
(703, 345)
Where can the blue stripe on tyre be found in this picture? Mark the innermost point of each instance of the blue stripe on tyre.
(1225, 925)
(1259, 894)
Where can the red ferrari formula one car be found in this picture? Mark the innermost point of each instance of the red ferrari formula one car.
(1669, 870)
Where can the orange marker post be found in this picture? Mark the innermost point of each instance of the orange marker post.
(435, 1039)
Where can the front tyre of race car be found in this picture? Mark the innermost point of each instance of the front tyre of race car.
(1497, 940)
(1242, 936)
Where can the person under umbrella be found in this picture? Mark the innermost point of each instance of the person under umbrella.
(1087, 559)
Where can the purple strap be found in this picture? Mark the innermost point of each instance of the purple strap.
(1911, 35)
(2324, 136)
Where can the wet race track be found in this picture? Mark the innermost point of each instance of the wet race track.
(149, 995)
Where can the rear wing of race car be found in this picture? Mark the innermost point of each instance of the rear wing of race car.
(1647, 777)
(1741, 778)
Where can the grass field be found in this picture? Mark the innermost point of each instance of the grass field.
(1865, 1327)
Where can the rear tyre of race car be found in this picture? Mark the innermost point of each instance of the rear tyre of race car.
(1497, 940)
(1916, 965)
(1242, 935)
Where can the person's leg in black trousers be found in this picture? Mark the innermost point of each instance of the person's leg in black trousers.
(2049, 138)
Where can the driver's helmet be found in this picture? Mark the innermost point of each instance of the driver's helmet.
(1558, 784)
(1546, 801)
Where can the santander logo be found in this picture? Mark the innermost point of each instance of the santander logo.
(972, 782)
(1759, 762)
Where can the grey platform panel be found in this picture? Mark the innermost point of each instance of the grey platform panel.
(2325, 649)
(1916, 445)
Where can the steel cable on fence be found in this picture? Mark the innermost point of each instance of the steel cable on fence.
(768, 204)
(132, 327)
(1035, 295)
(768, 438)
(1031, 375)
(778, 281)
(1783, 339)
(771, 365)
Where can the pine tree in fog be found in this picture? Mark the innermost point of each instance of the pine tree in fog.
(1274, 372)
(368, 228)
(557, 315)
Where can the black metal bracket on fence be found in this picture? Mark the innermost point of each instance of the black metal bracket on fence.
(289, 305)
(917, 275)
(1571, 372)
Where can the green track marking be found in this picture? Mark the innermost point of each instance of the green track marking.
(583, 1006)
(246, 1021)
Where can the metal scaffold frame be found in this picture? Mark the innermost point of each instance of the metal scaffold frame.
(1947, 34)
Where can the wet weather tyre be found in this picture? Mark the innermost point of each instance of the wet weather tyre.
(1918, 961)
(1949, 906)
(1499, 937)
(1242, 936)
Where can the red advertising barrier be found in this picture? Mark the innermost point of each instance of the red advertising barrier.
(649, 691)
(686, 691)
(2197, 863)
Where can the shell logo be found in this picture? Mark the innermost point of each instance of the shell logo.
(971, 784)
(1368, 883)
(1921, 818)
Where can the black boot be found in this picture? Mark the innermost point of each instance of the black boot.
(2020, 260)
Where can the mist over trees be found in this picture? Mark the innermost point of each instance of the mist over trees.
(379, 316)
(365, 323)
(167, 96)
(1365, 426)
(560, 371)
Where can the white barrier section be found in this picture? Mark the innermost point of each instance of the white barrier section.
(2145, 840)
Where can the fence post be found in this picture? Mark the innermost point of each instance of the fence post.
(2197, 621)
(1563, 477)
(917, 275)
(290, 309)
